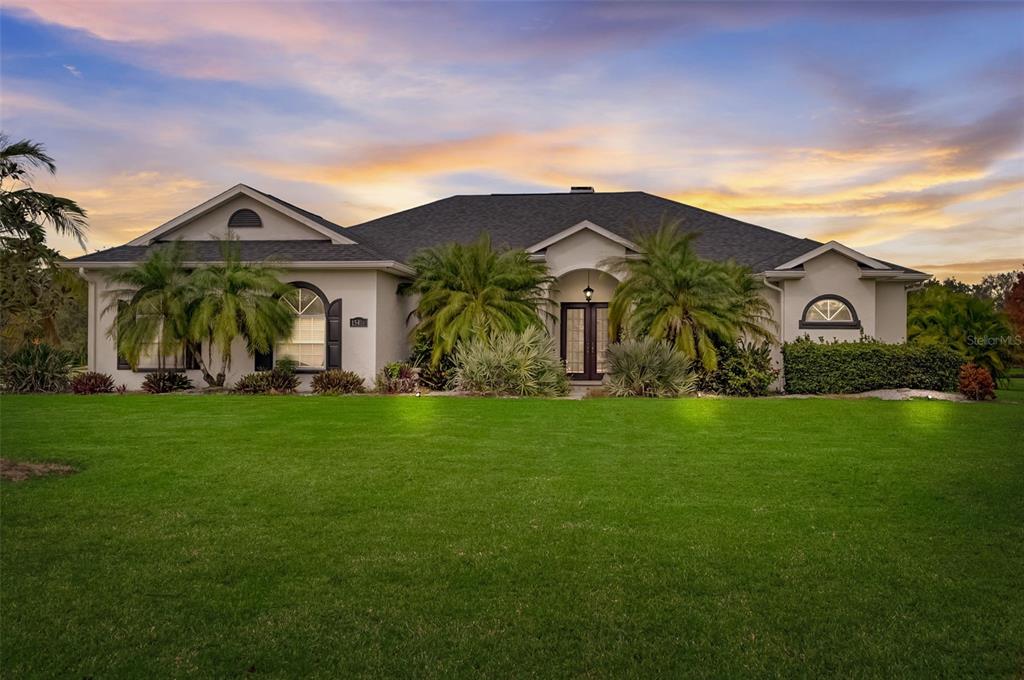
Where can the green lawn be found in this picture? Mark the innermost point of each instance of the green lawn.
(215, 536)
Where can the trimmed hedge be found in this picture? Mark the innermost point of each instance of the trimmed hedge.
(849, 367)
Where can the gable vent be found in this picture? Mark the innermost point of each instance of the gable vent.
(581, 190)
(244, 218)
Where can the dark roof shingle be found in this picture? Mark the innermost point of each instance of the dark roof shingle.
(522, 220)
(251, 251)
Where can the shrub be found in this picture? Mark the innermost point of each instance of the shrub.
(439, 376)
(976, 382)
(161, 382)
(397, 377)
(517, 364)
(279, 380)
(92, 382)
(744, 370)
(648, 368)
(848, 367)
(337, 381)
(253, 383)
(36, 368)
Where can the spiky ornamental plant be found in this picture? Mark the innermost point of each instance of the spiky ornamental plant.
(235, 299)
(669, 293)
(467, 290)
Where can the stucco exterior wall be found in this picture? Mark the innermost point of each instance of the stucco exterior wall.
(392, 332)
(358, 290)
(582, 250)
(214, 224)
(829, 274)
(569, 287)
(891, 311)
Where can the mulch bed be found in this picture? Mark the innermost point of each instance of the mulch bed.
(17, 471)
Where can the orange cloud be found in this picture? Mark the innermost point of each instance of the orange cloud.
(974, 271)
(120, 207)
(558, 157)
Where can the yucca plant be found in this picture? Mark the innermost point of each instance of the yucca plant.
(37, 367)
(648, 367)
(523, 364)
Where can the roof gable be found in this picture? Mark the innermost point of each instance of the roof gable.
(834, 246)
(575, 229)
(314, 223)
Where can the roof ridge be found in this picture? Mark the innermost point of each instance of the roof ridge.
(725, 217)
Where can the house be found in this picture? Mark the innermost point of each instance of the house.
(351, 315)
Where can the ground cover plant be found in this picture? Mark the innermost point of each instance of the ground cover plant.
(220, 536)
(337, 381)
(92, 382)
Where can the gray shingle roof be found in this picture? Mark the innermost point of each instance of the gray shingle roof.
(302, 211)
(512, 220)
(522, 220)
(252, 251)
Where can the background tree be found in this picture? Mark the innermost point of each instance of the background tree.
(236, 300)
(470, 289)
(38, 300)
(669, 293)
(993, 287)
(1013, 305)
(972, 326)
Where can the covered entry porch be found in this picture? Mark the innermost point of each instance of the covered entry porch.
(581, 326)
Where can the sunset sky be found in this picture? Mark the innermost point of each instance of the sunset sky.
(895, 128)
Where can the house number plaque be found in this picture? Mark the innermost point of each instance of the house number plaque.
(359, 322)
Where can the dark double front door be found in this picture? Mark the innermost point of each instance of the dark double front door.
(584, 339)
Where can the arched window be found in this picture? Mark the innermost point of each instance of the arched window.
(829, 311)
(244, 218)
(308, 342)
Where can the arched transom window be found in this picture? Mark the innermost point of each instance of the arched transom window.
(829, 311)
(308, 342)
(244, 218)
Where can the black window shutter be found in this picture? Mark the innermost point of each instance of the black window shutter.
(334, 334)
(265, 360)
(191, 363)
(122, 363)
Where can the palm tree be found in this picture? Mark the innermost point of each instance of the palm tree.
(236, 299)
(24, 212)
(38, 299)
(971, 326)
(156, 296)
(670, 293)
(469, 289)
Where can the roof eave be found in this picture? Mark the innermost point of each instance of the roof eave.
(391, 266)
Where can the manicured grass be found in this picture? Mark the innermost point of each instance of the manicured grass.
(290, 536)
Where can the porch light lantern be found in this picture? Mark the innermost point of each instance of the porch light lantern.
(588, 292)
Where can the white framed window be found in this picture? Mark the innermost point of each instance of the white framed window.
(829, 311)
(307, 345)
